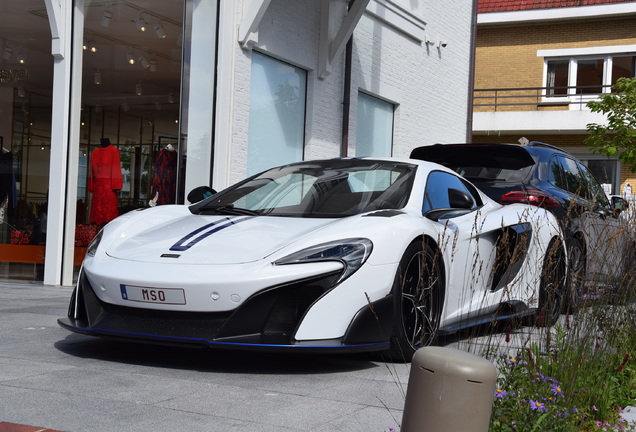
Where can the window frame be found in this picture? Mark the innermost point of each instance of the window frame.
(575, 55)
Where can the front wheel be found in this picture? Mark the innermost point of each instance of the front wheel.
(418, 292)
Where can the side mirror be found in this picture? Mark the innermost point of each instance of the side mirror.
(619, 204)
(459, 199)
(200, 193)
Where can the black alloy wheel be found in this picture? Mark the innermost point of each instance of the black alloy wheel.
(418, 292)
(552, 285)
(575, 288)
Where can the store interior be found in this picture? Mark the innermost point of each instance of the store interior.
(130, 94)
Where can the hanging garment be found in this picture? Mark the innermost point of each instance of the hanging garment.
(104, 178)
(164, 184)
(7, 180)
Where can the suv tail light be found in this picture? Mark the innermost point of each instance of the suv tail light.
(532, 197)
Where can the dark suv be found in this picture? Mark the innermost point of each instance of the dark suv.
(547, 176)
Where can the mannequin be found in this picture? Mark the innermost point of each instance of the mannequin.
(104, 180)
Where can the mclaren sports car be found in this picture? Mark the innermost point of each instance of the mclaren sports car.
(340, 255)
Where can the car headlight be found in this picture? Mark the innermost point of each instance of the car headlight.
(92, 246)
(352, 253)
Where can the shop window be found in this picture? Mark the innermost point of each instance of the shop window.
(277, 113)
(606, 172)
(374, 136)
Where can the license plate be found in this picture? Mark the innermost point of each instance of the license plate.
(174, 296)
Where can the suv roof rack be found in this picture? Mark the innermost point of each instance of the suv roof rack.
(542, 144)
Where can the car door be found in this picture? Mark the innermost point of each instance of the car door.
(468, 248)
(607, 241)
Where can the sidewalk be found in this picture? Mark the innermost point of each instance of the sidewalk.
(61, 381)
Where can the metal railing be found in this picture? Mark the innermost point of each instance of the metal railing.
(536, 98)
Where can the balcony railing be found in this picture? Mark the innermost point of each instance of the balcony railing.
(536, 98)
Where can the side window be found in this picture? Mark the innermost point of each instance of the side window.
(595, 189)
(572, 178)
(436, 193)
(555, 174)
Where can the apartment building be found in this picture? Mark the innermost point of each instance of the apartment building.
(538, 63)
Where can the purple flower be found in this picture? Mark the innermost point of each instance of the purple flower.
(499, 393)
(556, 389)
(535, 405)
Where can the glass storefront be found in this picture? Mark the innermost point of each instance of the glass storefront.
(26, 81)
(130, 102)
(130, 146)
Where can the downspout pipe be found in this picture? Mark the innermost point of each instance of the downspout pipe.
(346, 100)
(471, 76)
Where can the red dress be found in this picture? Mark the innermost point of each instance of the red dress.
(164, 181)
(104, 178)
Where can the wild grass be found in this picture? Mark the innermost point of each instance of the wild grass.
(580, 374)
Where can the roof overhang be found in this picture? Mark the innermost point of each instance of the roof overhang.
(557, 14)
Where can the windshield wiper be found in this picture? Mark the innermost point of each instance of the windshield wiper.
(228, 209)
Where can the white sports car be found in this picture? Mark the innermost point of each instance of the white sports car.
(334, 255)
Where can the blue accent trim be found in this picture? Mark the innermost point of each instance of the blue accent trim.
(124, 294)
(180, 246)
(212, 343)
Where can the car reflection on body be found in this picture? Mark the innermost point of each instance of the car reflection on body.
(338, 255)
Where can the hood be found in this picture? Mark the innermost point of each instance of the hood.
(174, 236)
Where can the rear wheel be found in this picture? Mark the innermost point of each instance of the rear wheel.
(553, 284)
(576, 276)
(418, 292)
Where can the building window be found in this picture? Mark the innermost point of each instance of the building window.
(375, 126)
(277, 113)
(589, 76)
(558, 77)
(586, 75)
(623, 67)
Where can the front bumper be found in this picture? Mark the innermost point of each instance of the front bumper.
(266, 321)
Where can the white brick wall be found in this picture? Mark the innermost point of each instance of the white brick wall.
(428, 85)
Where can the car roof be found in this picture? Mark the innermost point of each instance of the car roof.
(486, 155)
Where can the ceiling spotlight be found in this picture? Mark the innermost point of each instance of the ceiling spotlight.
(160, 31)
(84, 45)
(8, 52)
(139, 90)
(98, 78)
(131, 57)
(20, 58)
(153, 66)
(107, 17)
(141, 24)
(144, 62)
(91, 46)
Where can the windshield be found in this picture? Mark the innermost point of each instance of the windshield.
(330, 188)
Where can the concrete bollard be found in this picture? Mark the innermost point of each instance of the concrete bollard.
(448, 391)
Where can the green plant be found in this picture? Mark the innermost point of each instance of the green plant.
(578, 381)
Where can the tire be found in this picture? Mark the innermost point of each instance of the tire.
(418, 292)
(575, 288)
(552, 285)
